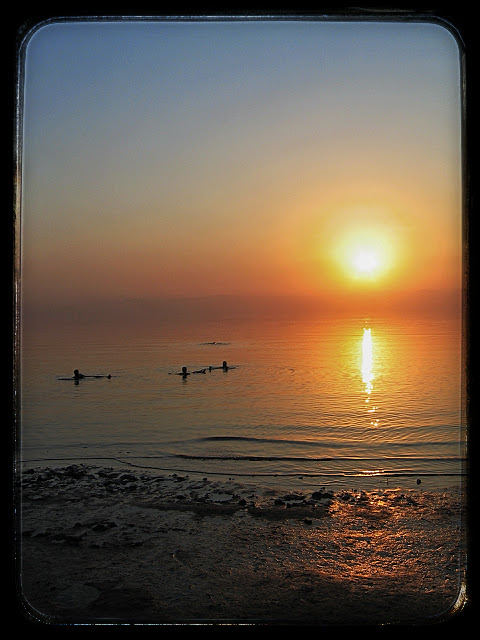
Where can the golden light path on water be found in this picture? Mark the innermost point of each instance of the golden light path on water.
(367, 378)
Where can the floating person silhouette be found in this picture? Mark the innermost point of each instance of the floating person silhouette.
(78, 376)
(224, 367)
(184, 373)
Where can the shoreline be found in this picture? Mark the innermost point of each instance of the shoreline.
(101, 544)
(282, 481)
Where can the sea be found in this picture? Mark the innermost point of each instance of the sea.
(324, 401)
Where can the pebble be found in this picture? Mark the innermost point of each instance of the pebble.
(322, 495)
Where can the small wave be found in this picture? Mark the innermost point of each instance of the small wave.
(356, 459)
(313, 443)
(326, 443)
(251, 458)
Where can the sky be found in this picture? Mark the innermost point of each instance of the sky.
(296, 158)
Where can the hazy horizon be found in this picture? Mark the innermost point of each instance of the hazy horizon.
(129, 312)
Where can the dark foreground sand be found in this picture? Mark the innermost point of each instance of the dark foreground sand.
(103, 545)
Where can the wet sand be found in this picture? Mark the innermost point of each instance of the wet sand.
(102, 544)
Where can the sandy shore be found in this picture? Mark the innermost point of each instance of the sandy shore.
(101, 544)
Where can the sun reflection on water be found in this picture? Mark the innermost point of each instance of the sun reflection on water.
(367, 371)
(367, 362)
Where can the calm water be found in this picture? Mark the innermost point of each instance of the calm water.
(319, 402)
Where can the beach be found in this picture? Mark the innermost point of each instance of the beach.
(110, 544)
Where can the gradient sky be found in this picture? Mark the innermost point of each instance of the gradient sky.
(164, 158)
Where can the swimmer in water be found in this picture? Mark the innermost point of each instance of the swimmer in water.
(183, 372)
(77, 375)
(224, 367)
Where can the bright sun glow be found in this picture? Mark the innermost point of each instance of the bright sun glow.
(364, 252)
(367, 261)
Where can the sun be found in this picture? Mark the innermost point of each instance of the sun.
(360, 247)
(365, 254)
(367, 261)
